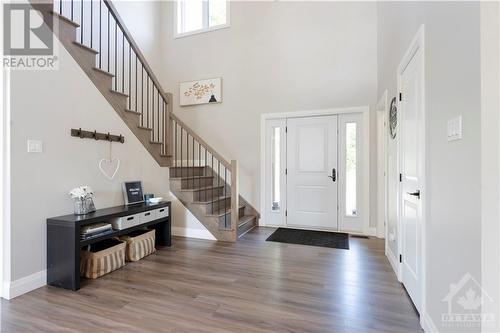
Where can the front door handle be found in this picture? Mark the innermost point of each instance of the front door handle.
(415, 194)
(334, 175)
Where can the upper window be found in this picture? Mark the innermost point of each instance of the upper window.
(195, 16)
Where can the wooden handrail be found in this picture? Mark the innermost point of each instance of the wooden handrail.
(136, 49)
(192, 133)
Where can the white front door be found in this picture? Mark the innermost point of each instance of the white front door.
(411, 113)
(312, 172)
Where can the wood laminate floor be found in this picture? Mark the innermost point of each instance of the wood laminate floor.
(250, 286)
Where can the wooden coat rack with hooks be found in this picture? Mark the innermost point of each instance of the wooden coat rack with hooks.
(97, 135)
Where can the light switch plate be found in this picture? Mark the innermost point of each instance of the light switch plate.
(454, 129)
(35, 146)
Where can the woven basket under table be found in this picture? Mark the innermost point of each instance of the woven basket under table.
(96, 264)
(139, 244)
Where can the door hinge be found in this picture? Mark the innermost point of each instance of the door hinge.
(286, 171)
(286, 129)
(286, 212)
(400, 97)
(400, 258)
(400, 177)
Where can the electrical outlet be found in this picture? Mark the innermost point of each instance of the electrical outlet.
(454, 129)
(35, 146)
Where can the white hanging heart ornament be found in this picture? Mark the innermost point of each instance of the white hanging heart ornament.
(109, 167)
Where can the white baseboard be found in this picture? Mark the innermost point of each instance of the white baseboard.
(392, 260)
(192, 233)
(24, 285)
(371, 231)
(427, 323)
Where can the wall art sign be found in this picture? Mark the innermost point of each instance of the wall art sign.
(200, 92)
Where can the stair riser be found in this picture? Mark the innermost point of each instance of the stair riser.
(226, 223)
(217, 206)
(247, 226)
(206, 195)
(196, 183)
(178, 172)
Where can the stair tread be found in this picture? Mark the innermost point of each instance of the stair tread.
(85, 47)
(201, 188)
(213, 200)
(118, 92)
(156, 142)
(103, 71)
(187, 167)
(223, 212)
(64, 18)
(166, 155)
(191, 177)
(145, 128)
(245, 219)
(133, 111)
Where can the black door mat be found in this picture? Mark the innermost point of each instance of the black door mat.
(336, 240)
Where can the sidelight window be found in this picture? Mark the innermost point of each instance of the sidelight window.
(351, 160)
(275, 168)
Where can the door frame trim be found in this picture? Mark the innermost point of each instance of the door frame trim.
(382, 108)
(364, 110)
(418, 43)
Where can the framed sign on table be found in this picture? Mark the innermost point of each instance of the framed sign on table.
(132, 192)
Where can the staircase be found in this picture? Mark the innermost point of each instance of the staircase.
(204, 181)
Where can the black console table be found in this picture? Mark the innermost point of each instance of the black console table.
(64, 244)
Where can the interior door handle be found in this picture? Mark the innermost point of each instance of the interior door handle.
(334, 175)
(415, 194)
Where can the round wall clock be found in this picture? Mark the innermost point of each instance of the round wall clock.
(393, 118)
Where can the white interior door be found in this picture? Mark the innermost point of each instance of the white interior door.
(411, 113)
(312, 172)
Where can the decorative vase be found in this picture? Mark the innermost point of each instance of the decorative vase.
(84, 206)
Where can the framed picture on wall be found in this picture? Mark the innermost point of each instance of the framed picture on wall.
(200, 92)
(132, 192)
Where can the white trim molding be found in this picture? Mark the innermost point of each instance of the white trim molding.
(428, 324)
(382, 218)
(192, 233)
(393, 261)
(490, 160)
(24, 285)
(364, 110)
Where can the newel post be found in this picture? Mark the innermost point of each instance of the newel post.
(234, 197)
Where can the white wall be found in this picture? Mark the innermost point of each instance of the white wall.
(452, 76)
(143, 20)
(490, 158)
(275, 57)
